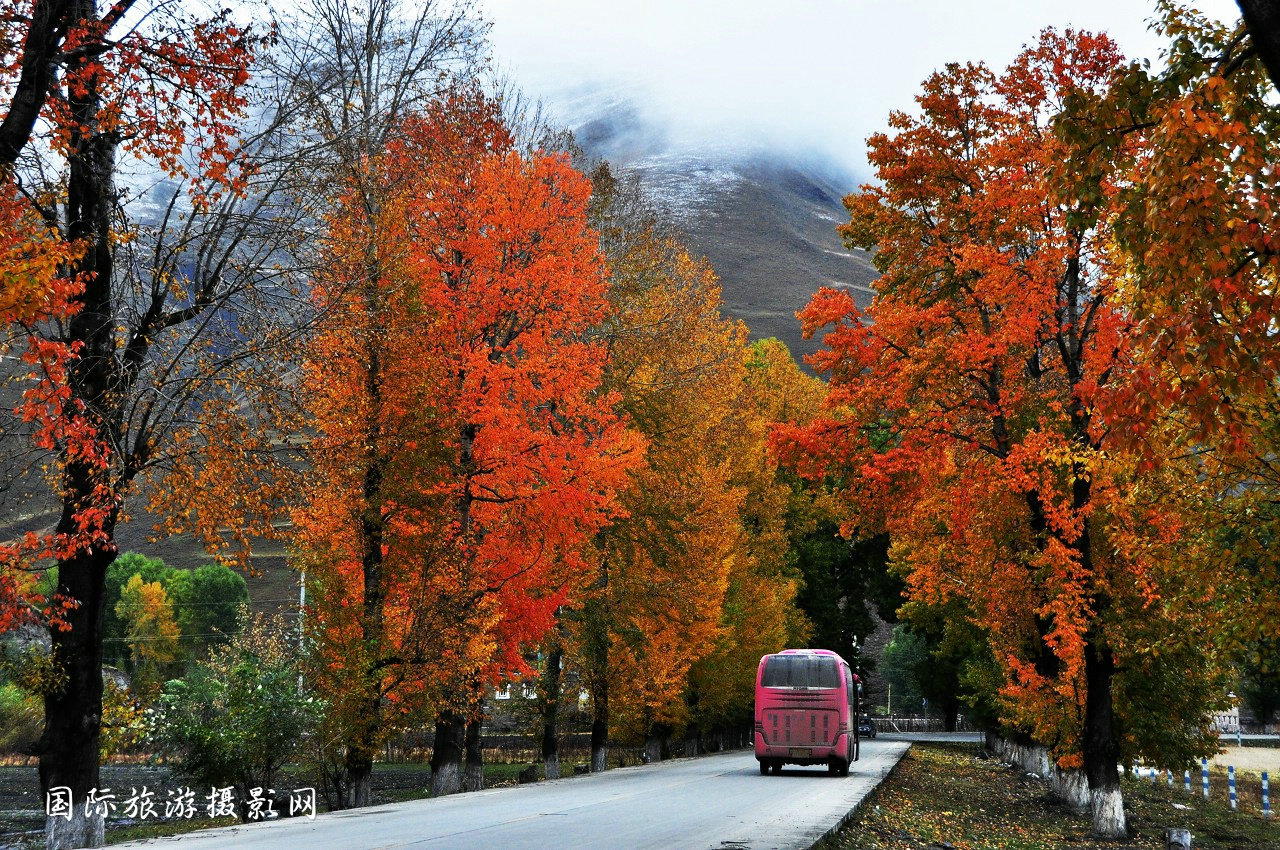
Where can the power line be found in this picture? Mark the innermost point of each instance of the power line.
(179, 637)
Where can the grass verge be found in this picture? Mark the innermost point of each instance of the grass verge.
(949, 796)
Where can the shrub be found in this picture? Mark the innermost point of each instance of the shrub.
(237, 718)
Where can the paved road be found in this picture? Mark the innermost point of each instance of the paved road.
(716, 801)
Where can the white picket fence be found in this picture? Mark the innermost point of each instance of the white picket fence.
(913, 723)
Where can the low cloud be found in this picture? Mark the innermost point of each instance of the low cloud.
(795, 75)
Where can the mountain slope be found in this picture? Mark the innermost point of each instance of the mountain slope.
(765, 219)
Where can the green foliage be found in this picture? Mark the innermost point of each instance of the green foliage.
(21, 719)
(125, 723)
(839, 577)
(238, 717)
(1260, 679)
(26, 674)
(1164, 703)
(216, 595)
(904, 659)
(957, 671)
(206, 602)
(31, 668)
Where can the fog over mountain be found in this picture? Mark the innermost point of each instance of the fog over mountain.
(748, 120)
(765, 218)
(793, 76)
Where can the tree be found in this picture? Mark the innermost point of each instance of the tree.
(966, 415)
(656, 601)
(840, 578)
(151, 632)
(1260, 681)
(87, 84)
(116, 649)
(760, 612)
(206, 602)
(1201, 286)
(345, 75)
(949, 662)
(466, 455)
(215, 598)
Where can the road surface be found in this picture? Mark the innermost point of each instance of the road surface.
(718, 801)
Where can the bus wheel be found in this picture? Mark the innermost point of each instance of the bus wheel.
(777, 768)
(764, 768)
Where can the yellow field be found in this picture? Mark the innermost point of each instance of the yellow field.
(1252, 759)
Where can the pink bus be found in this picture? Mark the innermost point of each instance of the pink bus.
(806, 711)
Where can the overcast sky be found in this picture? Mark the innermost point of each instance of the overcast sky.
(815, 75)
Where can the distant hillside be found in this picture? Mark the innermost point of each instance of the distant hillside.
(765, 220)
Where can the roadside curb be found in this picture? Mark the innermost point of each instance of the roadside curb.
(858, 806)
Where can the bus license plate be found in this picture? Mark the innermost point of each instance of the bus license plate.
(800, 752)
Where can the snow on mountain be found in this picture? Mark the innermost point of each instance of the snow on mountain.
(764, 217)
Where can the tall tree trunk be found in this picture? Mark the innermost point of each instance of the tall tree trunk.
(363, 735)
(446, 754)
(69, 755)
(551, 710)
(473, 776)
(595, 632)
(1101, 750)
(950, 712)
(600, 725)
(358, 765)
(655, 743)
(691, 740)
(1099, 747)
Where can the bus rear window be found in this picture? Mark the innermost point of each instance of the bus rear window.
(800, 671)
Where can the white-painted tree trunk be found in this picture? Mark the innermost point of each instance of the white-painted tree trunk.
(551, 766)
(80, 831)
(446, 780)
(1107, 805)
(1071, 788)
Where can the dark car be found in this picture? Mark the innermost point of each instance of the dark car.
(866, 727)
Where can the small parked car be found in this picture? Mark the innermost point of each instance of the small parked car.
(866, 727)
